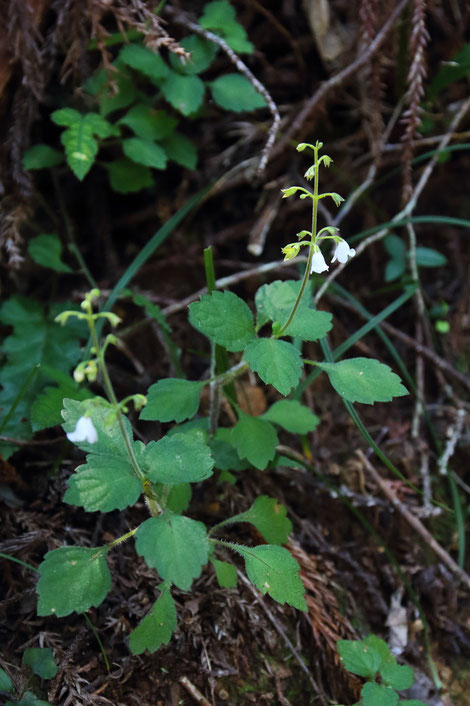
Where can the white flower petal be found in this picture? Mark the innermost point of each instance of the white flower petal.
(318, 263)
(84, 431)
(343, 252)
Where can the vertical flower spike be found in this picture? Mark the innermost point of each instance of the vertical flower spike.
(343, 252)
(318, 263)
(84, 431)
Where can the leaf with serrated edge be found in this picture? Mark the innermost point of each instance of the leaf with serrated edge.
(41, 661)
(359, 658)
(110, 439)
(184, 93)
(292, 416)
(174, 545)
(269, 518)
(309, 324)
(225, 318)
(46, 250)
(278, 363)
(157, 627)
(255, 440)
(373, 694)
(235, 92)
(73, 579)
(172, 400)
(105, 483)
(397, 676)
(179, 458)
(364, 380)
(144, 152)
(275, 301)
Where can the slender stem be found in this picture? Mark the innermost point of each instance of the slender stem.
(124, 537)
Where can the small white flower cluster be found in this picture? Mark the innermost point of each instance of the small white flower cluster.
(341, 254)
(84, 431)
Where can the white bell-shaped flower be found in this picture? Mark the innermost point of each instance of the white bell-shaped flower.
(318, 263)
(84, 431)
(343, 252)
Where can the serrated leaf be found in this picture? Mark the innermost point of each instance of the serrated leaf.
(181, 149)
(110, 441)
(373, 694)
(274, 571)
(46, 410)
(225, 318)
(73, 579)
(175, 459)
(225, 455)
(309, 324)
(174, 545)
(46, 250)
(226, 573)
(6, 683)
(359, 658)
(148, 123)
(79, 140)
(157, 627)
(234, 92)
(144, 60)
(292, 416)
(126, 176)
(397, 676)
(274, 302)
(255, 440)
(269, 518)
(41, 661)
(41, 157)
(278, 363)
(202, 55)
(364, 380)
(114, 90)
(427, 257)
(220, 17)
(184, 93)
(105, 483)
(144, 152)
(381, 647)
(172, 400)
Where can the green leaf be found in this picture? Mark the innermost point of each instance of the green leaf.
(412, 702)
(180, 458)
(46, 250)
(224, 453)
(105, 483)
(41, 157)
(427, 257)
(225, 318)
(378, 695)
(126, 176)
(110, 441)
(278, 363)
(226, 573)
(172, 400)
(397, 676)
(6, 683)
(184, 93)
(309, 324)
(394, 269)
(179, 497)
(78, 139)
(269, 518)
(255, 440)
(144, 152)
(274, 302)
(364, 380)
(234, 92)
(114, 90)
(381, 647)
(41, 661)
(395, 247)
(359, 658)
(46, 410)
(274, 571)
(202, 55)
(148, 123)
(29, 699)
(72, 579)
(181, 149)
(145, 61)
(292, 416)
(157, 627)
(174, 545)
(220, 17)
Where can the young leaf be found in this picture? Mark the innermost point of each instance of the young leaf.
(269, 518)
(72, 579)
(234, 92)
(226, 573)
(41, 661)
(157, 627)
(113, 93)
(202, 55)
(41, 157)
(126, 176)
(6, 683)
(278, 363)
(46, 250)
(309, 324)
(172, 400)
(144, 152)
(105, 483)
(255, 440)
(397, 676)
(219, 16)
(180, 458)
(174, 545)
(225, 318)
(364, 380)
(274, 570)
(381, 647)
(359, 658)
(292, 416)
(378, 695)
(149, 124)
(78, 139)
(145, 61)
(184, 93)
(181, 149)
(274, 301)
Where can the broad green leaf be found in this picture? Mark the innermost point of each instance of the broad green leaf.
(174, 545)
(184, 93)
(6, 683)
(110, 441)
(202, 55)
(172, 400)
(397, 676)
(41, 157)
(225, 456)
(114, 91)
(145, 60)
(79, 140)
(148, 123)
(181, 149)
(394, 269)
(73, 579)
(269, 518)
(105, 483)
(226, 573)
(395, 247)
(219, 16)
(225, 318)
(378, 695)
(278, 363)
(157, 627)
(274, 571)
(179, 497)
(411, 702)
(46, 250)
(46, 410)
(427, 257)
(126, 176)
(144, 152)
(309, 324)
(359, 658)
(255, 440)
(364, 380)
(235, 92)
(292, 416)
(41, 661)
(274, 302)
(381, 647)
(180, 458)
